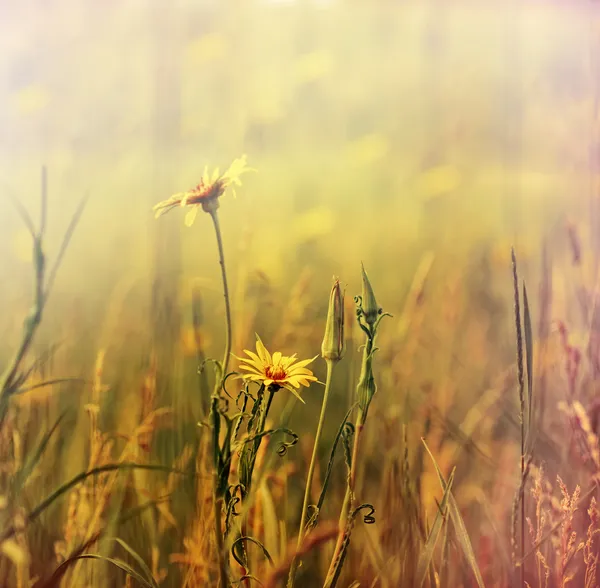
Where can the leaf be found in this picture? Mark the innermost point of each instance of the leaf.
(251, 540)
(426, 555)
(458, 522)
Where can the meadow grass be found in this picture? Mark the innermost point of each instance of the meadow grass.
(414, 495)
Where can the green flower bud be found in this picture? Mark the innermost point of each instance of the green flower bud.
(366, 386)
(370, 308)
(333, 344)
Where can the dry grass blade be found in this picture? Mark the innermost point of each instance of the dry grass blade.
(139, 560)
(24, 473)
(426, 556)
(119, 563)
(63, 246)
(528, 332)
(54, 381)
(458, 522)
(57, 576)
(64, 488)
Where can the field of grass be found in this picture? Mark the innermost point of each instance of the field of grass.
(439, 160)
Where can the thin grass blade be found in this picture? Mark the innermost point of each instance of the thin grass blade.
(139, 560)
(458, 522)
(26, 471)
(119, 563)
(528, 358)
(426, 556)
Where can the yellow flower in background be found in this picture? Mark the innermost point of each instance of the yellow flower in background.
(276, 371)
(207, 192)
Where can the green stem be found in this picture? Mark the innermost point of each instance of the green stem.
(254, 452)
(223, 575)
(217, 499)
(347, 508)
(311, 471)
(215, 219)
(345, 521)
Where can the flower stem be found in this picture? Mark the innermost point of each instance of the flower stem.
(347, 508)
(215, 219)
(218, 499)
(311, 471)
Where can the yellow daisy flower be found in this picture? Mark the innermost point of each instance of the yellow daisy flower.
(207, 192)
(276, 371)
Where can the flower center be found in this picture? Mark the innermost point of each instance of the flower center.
(205, 191)
(275, 373)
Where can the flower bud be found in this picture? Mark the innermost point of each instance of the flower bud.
(366, 386)
(370, 309)
(333, 344)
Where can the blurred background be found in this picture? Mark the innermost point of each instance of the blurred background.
(383, 132)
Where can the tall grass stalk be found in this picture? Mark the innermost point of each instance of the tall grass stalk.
(520, 499)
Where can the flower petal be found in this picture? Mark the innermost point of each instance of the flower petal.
(251, 368)
(287, 361)
(190, 217)
(295, 394)
(294, 371)
(255, 359)
(262, 351)
(304, 362)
